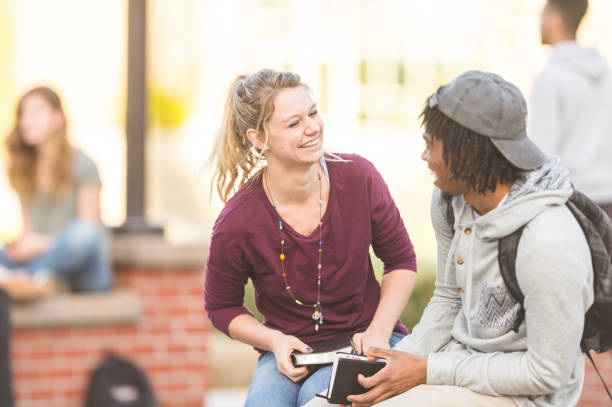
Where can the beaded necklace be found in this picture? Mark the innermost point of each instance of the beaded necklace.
(317, 315)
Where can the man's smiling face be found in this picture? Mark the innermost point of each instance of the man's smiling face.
(433, 155)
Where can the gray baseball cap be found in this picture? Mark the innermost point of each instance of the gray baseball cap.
(489, 105)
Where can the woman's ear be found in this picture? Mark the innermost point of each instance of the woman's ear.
(255, 140)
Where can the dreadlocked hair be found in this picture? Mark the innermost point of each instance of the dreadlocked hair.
(470, 156)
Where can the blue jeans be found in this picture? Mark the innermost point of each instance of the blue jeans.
(79, 255)
(272, 389)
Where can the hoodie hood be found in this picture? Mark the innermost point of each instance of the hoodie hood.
(586, 62)
(546, 186)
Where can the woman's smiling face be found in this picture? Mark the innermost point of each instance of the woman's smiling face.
(295, 129)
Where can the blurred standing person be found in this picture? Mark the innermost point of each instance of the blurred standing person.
(571, 103)
(59, 191)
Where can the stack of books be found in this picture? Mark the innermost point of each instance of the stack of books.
(346, 366)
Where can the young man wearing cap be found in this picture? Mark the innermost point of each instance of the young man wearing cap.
(571, 102)
(464, 352)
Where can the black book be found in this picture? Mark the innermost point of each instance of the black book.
(343, 381)
(323, 353)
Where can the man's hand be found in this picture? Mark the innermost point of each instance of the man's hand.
(402, 372)
(367, 339)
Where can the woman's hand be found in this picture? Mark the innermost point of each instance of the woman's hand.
(27, 247)
(282, 345)
(363, 340)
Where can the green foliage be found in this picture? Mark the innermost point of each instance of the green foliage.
(249, 300)
(423, 289)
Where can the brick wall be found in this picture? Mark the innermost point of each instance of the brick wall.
(593, 393)
(51, 366)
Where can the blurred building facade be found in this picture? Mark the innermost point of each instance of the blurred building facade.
(370, 64)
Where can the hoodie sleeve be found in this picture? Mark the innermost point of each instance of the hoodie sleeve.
(556, 280)
(433, 332)
(545, 114)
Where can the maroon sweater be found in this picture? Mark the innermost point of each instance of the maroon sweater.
(245, 244)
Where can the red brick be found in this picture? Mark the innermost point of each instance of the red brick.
(52, 366)
(593, 393)
(41, 394)
(27, 334)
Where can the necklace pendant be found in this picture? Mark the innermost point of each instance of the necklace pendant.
(316, 327)
(316, 315)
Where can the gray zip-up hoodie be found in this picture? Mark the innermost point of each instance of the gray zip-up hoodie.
(569, 116)
(466, 329)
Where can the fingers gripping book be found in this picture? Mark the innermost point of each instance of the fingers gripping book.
(323, 353)
(343, 381)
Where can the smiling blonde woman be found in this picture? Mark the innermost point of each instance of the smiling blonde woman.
(300, 228)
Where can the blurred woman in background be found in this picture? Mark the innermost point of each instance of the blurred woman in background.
(59, 191)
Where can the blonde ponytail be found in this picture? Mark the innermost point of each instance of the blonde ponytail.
(249, 105)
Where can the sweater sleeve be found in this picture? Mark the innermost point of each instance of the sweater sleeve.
(390, 239)
(225, 277)
(85, 170)
(555, 282)
(545, 114)
(433, 332)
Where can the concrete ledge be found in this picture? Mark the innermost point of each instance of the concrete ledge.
(155, 251)
(65, 309)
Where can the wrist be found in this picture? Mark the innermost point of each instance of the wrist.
(379, 331)
(423, 370)
(274, 339)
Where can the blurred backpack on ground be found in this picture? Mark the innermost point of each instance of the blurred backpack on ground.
(117, 382)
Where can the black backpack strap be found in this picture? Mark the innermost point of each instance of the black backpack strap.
(506, 257)
(597, 228)
(588, 353)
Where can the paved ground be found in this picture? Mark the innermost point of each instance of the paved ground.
(232, 362)
(225, 397)
(232, 367)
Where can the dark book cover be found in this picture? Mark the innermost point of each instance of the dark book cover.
(343, 381)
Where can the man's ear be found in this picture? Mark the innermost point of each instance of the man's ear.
(255, 139)
(556, 21)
